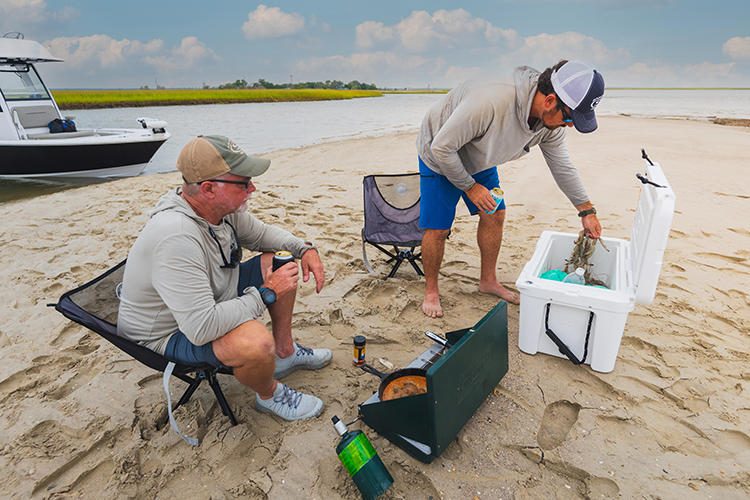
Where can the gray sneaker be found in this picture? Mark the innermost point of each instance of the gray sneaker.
(289, 404)
(304, 358)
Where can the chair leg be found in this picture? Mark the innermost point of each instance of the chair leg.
(210, 375)
(195, 382)
(214, 382)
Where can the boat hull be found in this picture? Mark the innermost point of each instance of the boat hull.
(112, 159)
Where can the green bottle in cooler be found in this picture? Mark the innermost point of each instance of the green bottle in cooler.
(362, 462)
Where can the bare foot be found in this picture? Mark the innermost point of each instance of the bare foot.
(431, 306)
(495, 288)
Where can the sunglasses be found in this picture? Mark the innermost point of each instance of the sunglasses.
(236, 256)
(565, 115)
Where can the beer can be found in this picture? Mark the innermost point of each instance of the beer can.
(497, 194)
(281, 258)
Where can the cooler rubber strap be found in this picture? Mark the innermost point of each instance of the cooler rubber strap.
(561, 345)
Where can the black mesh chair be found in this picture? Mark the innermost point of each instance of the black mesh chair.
(392, 219)
(95, 305)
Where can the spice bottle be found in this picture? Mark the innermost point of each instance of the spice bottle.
(359, 350)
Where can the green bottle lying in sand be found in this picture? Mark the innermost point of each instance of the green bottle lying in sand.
(362, 462)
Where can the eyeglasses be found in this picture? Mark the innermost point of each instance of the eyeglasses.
(245, 184)
(236, 256)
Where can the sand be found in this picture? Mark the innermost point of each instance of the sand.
(82, 420)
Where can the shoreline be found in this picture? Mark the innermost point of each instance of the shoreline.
(82, 419)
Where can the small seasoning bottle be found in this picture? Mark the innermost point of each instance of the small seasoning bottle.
(359, 350)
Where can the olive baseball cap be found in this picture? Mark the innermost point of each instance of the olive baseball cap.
(209, 156)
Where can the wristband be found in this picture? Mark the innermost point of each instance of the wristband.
(584, 213)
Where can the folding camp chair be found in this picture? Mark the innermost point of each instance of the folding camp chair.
(95, 305)
(392, 218)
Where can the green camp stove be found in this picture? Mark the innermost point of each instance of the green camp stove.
(459, 380)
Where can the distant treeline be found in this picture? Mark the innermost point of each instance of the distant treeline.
(328, 84)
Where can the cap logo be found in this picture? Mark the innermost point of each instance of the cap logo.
(234, 148)
(595, 102)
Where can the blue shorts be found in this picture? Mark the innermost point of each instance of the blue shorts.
(181, 350)
(439, 197)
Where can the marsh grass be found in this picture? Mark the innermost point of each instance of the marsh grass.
(90, 99)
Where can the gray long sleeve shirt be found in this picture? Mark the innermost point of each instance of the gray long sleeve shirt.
(484, 122)
(173, 278)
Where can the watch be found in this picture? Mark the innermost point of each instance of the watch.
(584, 213)
(268, 295)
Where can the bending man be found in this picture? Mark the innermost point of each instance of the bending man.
(186, 294)
(483, 123)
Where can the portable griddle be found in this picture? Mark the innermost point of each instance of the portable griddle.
(459, 380)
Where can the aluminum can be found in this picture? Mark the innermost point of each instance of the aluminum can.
(282, 257)
(497, 194)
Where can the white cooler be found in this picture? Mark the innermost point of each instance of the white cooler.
(590, 321)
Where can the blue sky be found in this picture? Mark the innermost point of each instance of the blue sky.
(188, 43)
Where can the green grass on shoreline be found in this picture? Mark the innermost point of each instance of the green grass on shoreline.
(95, 99)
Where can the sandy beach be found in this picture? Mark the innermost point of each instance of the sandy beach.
(80, 419)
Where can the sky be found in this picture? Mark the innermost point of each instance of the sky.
(393, 44)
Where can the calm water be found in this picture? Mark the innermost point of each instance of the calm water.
(261, 128)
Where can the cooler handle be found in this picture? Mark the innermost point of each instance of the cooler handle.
(564, 349)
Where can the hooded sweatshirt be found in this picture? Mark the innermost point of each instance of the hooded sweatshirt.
(484, 122)
(174, 281)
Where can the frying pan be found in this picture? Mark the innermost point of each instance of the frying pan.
(401, 383)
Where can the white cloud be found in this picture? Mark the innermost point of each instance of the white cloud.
(370, 33)
(20, 14)
(265, 22)
(100, 58)
(545, 50)
(737, 48)
(422, 31)
(191, 54)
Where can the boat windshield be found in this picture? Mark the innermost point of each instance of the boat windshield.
(20, 82)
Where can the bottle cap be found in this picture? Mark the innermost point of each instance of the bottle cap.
(360, 340)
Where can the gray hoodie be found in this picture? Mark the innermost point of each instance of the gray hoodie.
(173, 279)
(484, 122)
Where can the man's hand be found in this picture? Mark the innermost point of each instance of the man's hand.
(481, 197)
(282, 280)
(592, 226)
(311, 263)
(589, 222)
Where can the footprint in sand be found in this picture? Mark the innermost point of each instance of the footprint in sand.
(557, 421)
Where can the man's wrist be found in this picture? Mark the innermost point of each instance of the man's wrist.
(584, 213)
(310, 246)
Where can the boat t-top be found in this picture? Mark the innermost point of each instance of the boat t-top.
(36, 140)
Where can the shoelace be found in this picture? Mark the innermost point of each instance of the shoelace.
(306, 351)
(288, 397)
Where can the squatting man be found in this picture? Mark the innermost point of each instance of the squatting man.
(187, 295)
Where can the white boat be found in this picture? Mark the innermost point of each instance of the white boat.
(29, 149)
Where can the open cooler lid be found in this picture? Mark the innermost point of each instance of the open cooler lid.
(648, 238)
